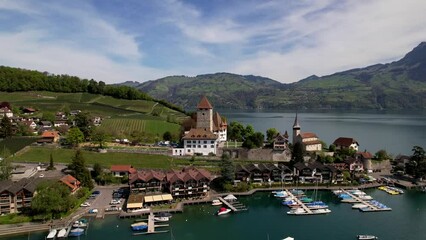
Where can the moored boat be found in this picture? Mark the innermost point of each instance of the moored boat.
(52, 234)
(79, 224)
(161, 219)
(297, 211)
(216, 202)
(76, 232)
(62, 233)
(359, 205)
(321, 211)
(140, 226)
(366, 237)
(223, 211)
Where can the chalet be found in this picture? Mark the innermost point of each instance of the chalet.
(280, 142)
(309, 140)
(31, 124)
(70, 182)
(59, 123)
(147, 181)
(317, 172)
(29, 110)
(60, 116)
(75, 112)
(5, 111)
(263, 172)
(189, 182)
(45, 124)
(15, 196)
(354, 164)
(342, 143)
(97, 121)
(49, 137)
(122, 170)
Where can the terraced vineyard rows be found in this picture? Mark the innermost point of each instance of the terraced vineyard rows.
(123, 125)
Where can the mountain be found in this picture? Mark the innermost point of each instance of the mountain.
(397, 85)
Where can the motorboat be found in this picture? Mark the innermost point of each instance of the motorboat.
(79, 224)
(297, 211)
(366, 237)
(52, 234)
(280, 194)
(321, 211)
(223, 211)
(316, 206)
(164, 214)
(306, 200)
(62, 233)
(359, 205)
(139, 226)
(216, 202)
(76, 232)
(161, 219)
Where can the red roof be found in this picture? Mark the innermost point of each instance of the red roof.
(123, 168)
(204, 104)
(344, 141)
(50, 134)
(199, 133)
(365, 155)
(70, 181)
(308, 135)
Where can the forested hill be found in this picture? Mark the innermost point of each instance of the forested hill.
(396, 85)
(18, 80)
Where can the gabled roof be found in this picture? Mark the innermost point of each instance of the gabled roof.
(187, 174)
(218, 123)
(308, 135)
(345, 141)
(204, 103)
(123, 168)
(50, 134)
(350, 160)
(240, 168)
(147, 175)
(70, 181)
(5, 185)
(199, 133)
(365, 155)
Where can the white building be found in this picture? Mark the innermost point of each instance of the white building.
(346, 143)
(309, 140)
(4, 111)
(198, 141)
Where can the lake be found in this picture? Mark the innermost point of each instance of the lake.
(266, 217)
(397, 133)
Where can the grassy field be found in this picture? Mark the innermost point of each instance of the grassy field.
(138, 160)
(128, 125)
(11, 146)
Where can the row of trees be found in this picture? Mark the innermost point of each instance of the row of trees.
(247, 135)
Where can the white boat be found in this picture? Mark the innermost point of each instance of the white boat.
(359, 205)
(280, 194)
(78, 224)
(52, 234)
(297, 211)
(223, 211)
(366, 197)
(216, 202)
(366, 237)
(321, 211)
(161, 219)
(62, 233)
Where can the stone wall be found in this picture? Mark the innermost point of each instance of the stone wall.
(258, 154)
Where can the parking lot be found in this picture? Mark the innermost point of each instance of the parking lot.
(103, 199)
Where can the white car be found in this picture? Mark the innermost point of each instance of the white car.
(41, 175)
(86, 204)
(114, 202)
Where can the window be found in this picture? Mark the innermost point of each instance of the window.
(199, 146)
(205, 142)
(188, 146)
(205, 146)
(212, 146)
(212, 142)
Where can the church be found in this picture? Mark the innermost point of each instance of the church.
(309, 140)
(210, 130)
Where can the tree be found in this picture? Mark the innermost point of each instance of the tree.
(298, 152)
(52, 199)
(254, 140)
(51, 166)
(79, 169)
(381, 155)
(48, 116)
(167, 136)
(248, 131)
(235, 131)
(227, 168)
(5, 127)
(417, 164)
(5, 169)
(83, 122)
(271, 133)
(332, 148)
(75, 137)
(99, 136)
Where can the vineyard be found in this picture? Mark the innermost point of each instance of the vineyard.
(127, 126)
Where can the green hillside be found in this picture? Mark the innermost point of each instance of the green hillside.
(154, 117)
(396, 85)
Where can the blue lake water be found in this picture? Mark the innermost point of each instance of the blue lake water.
(395, 132)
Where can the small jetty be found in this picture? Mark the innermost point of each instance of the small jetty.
(372, 205)
(231, 202)
(152, 226)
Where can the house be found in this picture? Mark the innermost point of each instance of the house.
(354, 164)
(29, 110)
(60, 116)
(122, 170)
(365, 158)
(31, 124)
(262, 172)
(70, 182)
(317, 172)
(342, 143)
(210, 121)
(60, 123)
(15, 196)
(5, 111)
(189, 182)
(45, 124)
(309, 140)
(147, 181)
(49, 137)
(199, 141)
(97, 121)
(75, 112)
(280, 142)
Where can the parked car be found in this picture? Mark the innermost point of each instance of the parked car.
(86, 204)
(96, 192)
(114, 202)
(113, 208)
(94, 210)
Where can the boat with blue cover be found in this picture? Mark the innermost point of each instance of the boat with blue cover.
(139, 226)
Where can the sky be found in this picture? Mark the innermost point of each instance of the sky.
(139, 40)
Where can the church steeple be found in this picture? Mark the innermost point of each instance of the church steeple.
(296, 129)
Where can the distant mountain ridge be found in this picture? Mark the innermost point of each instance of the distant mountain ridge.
(397, 85)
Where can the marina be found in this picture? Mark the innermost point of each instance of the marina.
(361, 203)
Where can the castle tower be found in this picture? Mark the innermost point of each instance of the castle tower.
(205, 115)
(296, 130)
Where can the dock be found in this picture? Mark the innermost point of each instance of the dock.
(371, 207)
(152, 226)
(235, 206)
(301, 204)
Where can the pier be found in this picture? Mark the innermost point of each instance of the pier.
(152, 226)
(301, 204)
(371, 207)
(235, 206)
